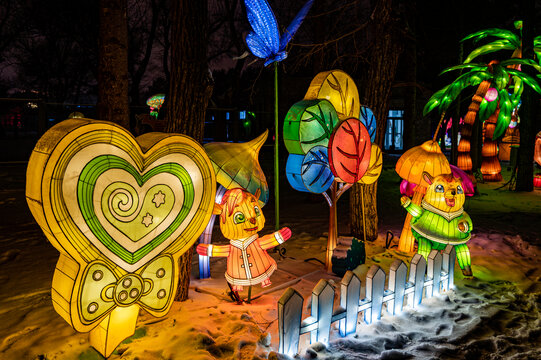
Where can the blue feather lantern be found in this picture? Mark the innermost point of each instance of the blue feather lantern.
(264, 40)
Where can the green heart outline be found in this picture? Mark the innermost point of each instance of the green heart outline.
(85, 188)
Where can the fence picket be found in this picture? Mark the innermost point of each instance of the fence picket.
(322, 304)
(289, 321)
(433, 272)
(350, 291)
(397, 284)
(375, 287)
(417, 277)
(449, 256)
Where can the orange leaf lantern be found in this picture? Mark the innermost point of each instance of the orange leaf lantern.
(426, 157)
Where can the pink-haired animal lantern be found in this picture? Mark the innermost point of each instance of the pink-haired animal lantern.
(248, 262)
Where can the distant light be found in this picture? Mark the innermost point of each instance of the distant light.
(491, 94)
(227, 115)
(242, 115)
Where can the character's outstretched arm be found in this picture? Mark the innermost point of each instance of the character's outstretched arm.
(274, 239)
(415, 210)
(213, 250)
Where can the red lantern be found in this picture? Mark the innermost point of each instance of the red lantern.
(537, 181)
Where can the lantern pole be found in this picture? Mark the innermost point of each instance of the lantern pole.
(276, 174)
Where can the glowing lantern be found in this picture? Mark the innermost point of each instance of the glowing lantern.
(309, 123)
(537, 180)
(374, 166)
(441, 219)
(492, 94)
(120, 211)
(265, 42)
(349, 151)
(310, 172)
(155, 103)
(236, 166)
(248, 262)
(407, 188)
(339, 88)
(426, 157)
(537, 150)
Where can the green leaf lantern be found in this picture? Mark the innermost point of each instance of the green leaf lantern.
(309, 123)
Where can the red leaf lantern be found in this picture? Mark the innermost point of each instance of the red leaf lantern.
(349, 150)
(537, 180)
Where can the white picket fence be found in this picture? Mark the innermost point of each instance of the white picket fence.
(434, 275)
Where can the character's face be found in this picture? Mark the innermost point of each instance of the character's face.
(445, 193)
(242, 220)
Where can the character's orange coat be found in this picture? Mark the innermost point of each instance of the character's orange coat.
(248, 262)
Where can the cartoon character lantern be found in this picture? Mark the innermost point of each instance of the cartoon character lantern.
(441, 219)
(248, 262)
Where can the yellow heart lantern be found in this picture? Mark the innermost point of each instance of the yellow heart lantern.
(120, 211)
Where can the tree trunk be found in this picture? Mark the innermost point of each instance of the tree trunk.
(377, 90)
(529, 126)
(113, 104)
(370, 212)
(491, 168)
(333, 226)
(190, 89)
(411, 117)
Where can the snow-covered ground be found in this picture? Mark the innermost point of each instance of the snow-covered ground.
(495, 315)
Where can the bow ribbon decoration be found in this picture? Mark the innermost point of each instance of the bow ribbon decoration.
(102, 290)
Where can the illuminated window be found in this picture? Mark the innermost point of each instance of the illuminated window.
(395, 130)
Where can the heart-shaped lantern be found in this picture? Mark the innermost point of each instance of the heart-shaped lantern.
(121, 211)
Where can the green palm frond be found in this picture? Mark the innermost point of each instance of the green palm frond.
(500, 33)
(490, 48)
(504, 117)
(470, 66)
(518, 88)
(500, 76)
(527, 79)
(434, 101)
(471, 78)
(487, 108)
(517, 61)
(537, 47)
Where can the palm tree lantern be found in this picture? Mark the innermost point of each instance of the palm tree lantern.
(426, 157)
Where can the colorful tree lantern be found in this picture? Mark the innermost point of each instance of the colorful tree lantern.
(155, 103)
(121, 211)
(330, 151)
(440, 220)
(248, 262)
(428, 158)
